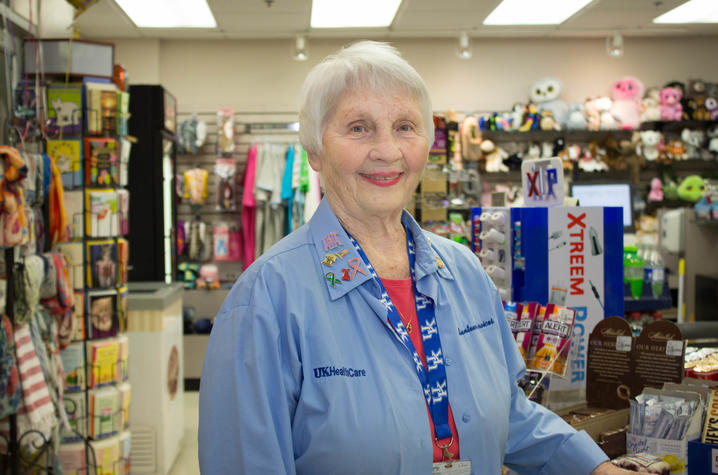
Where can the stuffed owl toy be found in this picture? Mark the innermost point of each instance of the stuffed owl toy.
(546, 94)
(627, 94)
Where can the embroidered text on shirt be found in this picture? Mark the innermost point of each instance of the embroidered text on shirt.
(470, 328)
(326, 371)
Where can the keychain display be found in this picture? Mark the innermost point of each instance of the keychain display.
(226, 171)
(221, 242)
(192, 135)
(225, 132)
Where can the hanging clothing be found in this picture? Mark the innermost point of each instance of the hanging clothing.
(271, 159)
(249, 208)
(287, 189)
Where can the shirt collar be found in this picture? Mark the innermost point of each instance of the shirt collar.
(339, 260)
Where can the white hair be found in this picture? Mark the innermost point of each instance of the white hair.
(365, 64)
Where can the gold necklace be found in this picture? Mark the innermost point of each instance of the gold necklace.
(407, 323)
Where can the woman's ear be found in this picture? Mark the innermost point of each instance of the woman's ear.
(314, 162)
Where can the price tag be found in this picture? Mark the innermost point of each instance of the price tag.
(714, 459)
(623, 343)
(674, 347)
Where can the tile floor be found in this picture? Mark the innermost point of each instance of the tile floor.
(186, 462)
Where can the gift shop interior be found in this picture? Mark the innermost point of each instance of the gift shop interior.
(150, 154)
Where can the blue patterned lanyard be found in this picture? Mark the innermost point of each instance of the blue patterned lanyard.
(436, 392)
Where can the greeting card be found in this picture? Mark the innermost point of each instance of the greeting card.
(102, 311)
(102, 268)
(101, 162)
(67, 155)
(64, 108)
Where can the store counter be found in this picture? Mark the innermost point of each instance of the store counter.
(154, 330)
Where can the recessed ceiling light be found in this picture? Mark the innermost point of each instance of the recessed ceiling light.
(693, 11)
(169, 13)
(353, 14)
(534, 12)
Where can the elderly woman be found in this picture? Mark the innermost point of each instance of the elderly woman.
(341, 349)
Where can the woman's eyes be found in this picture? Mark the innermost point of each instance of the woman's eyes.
(358, 128)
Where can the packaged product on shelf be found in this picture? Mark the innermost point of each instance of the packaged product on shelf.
(102, 264)
(512, 312)
(554, 342)
(125, 447)
(122, 301)
(124, 405)
(102, 309)
(73, 363)
(101, 213)
(195, 186)
(125, 150)
(225, 132)
(123, 112)
(72, 458)
(123, 211)
(221, 242)
(524, 333)
(107, 456)
(101, 162)
(123, 260)
(535, 333)
(101, 108)
(73, 209)
(104, 412)
(123, 370)
(67, 154)
(64, 108)
(76, 411)
(645, 463)
(102, 357)
(226, 170)
(72, 251)
(78, 313)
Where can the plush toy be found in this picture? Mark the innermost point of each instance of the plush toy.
(570, 156)
(470, 139)
(627, 155)
(591, 161)
(558, 145)
(712, 107)
(713, 141)
(494, 157)
(593, 115)
(547, 121)
(696, 96)
(546, 150)
(608, 121)
(671, 108)
(530, 119)
(576, 120)
(684, 98)
(534, 151)
(670, 190)
(693, 140)
(627, 93)
(517, 113)
(674, 150)
(699, 110)
(691, 188)
(656, 192)
(651, 105)
(546, 94)
(650, 144)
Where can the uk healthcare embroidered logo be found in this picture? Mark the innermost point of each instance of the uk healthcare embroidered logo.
(327, 371)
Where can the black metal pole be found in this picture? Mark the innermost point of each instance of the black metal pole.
(13, 447)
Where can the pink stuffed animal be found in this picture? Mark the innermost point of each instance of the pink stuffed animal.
(656, 193)
(627, 94)
(671, 108)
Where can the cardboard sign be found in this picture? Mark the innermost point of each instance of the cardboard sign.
(542, 181)
(609, 364)
(620, 366)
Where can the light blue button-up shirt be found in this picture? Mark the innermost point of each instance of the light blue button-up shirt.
(304, 375)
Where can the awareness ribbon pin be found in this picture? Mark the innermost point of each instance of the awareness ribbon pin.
(332, 280)
(354, 264)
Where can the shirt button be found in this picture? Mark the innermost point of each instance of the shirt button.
(449, 361)
(466, 417)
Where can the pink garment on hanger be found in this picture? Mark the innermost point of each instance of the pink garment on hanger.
(249, 208)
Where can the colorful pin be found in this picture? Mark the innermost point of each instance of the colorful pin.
(342, 253)
(332, 280)
(331, 241)
(439, 262)
(354, 263)
(329, 260)
(345, 276)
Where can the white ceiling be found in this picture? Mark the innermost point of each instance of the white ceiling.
(247, 19)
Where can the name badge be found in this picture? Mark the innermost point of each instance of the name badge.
(460, 467)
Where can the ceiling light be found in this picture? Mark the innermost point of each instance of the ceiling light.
(693, 11)
(614, 45)
(169, 13)
(353, 14)
(534, 12)
(300, 48)
(464, 48)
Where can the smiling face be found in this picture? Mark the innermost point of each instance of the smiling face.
(374, 148)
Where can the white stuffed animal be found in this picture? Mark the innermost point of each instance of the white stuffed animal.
(546, 94)
(648, 147)
(608, 121)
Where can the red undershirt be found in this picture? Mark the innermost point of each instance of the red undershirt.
(402, 295)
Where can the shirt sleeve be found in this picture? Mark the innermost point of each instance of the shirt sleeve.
(249, 389)
(539, 441)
